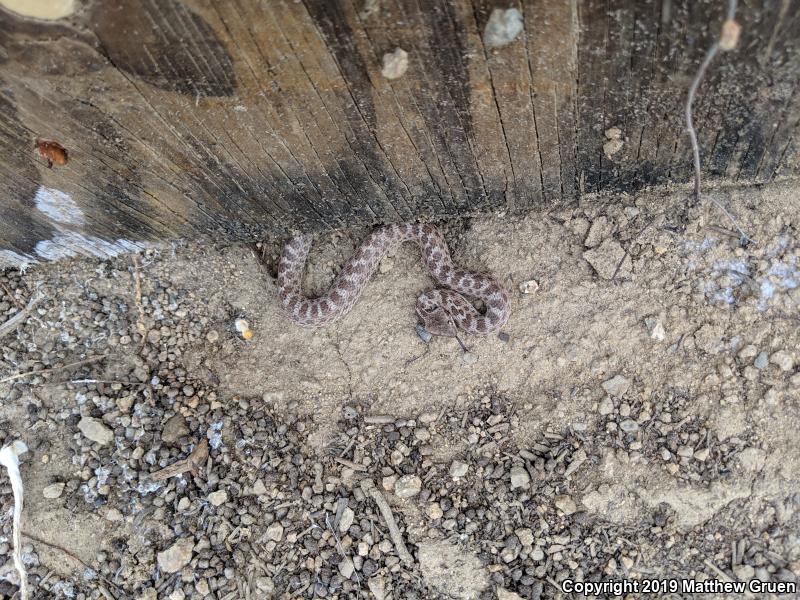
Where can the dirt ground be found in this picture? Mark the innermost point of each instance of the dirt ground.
(636, 420)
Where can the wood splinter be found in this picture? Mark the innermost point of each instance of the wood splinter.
(368, 487)
(192, 463)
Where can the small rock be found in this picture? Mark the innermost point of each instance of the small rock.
(435, 511)
(783, 360)
(259, 489)
(525, 536)
(275, 532)
(395, 64)
(744, 572)
(701, 454)
(114, 515)
(761, 361)
(617, 385)
(346, 568)
(606, 406)
(529, 287)
(611, 147)
(519, 477)
(502, 28)
(348, 516)
(407, 486)
(218, 498)
(458, 469)
(565, 504)
(202, 588)
(96, 431)
(504, 594)
(655, 328)
(685, 451)
(53, 491)
(537, 554)
(629, 426)
(177, 556)
(174, 429)
(377, 585)
(752, 459)
(212, 336)
(607, 258)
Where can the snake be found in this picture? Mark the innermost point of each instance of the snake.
(441, 310)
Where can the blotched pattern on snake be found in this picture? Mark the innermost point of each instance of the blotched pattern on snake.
(441, 310)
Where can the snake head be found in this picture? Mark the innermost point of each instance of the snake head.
(433, 316)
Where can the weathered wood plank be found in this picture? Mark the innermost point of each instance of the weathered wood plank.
(244, 119)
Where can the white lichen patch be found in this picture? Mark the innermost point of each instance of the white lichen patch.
(58, 206)
(69, 244)
(503, 27)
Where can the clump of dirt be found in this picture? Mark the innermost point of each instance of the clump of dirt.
(634, 419)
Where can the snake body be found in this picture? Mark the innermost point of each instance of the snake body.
(440, 310)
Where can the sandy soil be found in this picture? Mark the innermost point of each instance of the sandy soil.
(648, 385)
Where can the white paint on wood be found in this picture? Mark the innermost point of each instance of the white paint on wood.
(59, 206)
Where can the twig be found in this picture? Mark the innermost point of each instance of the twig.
(86, 361)
(727, 41)
(368, 486)
(194, 462)
(18, 318)
(350, 464)
(9, 458)
(72, 556)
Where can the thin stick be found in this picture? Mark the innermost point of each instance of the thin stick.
(368, 486)
(193, 463)
(18, 318)
(729, 43)
(87, 361)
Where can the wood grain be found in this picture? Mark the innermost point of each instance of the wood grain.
(243, 119)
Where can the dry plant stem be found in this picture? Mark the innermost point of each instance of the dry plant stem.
(712, 52)
(368, 487)
(193, 463)
(79, 363)
(18, 318)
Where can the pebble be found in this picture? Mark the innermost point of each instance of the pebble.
(744, 572)
(685, 451)
(377, 585)
(565, 504)
(617, 385)
(528, 287)
(761, 361)
(783, 360)
(606, 406)
(114, 515)
(177, 556)
(275, 532)
(655, 328)
(504, 594)
(53, 491)
(435, 511)
(525, 536)
(629, 426)
(96, 431)
(348, 516)
(218, 498)
(701, 454)
(407, 486)
(458, 469)
(346, 568)
(519, 477)
(174, 429)
(537, 554)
